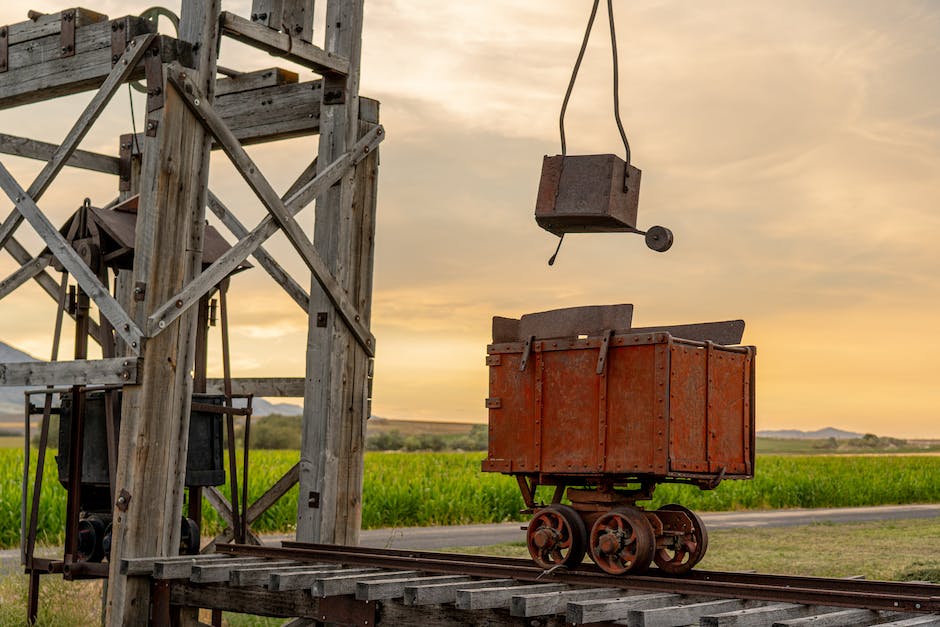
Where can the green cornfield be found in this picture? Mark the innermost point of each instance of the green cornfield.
(413, 489)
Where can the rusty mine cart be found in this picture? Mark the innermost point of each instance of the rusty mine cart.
(604, 412)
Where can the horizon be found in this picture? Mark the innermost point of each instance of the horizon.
(793, 149)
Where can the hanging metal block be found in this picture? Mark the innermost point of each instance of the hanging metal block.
(587, 194)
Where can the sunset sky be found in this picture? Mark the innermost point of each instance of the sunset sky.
(793, 148)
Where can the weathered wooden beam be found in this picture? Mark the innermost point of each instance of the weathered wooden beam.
(290, 16)
(264, 386)
(257, 601)
(275, 492)
(279, 44)
(66, 255)
(272, 113)
(38, 72)
(115, 371)
(273, 268)
(26, 272)
(43, 151)
(168, 247)
(252, 81)
(134, 52)
(50, 24)
(336, 401)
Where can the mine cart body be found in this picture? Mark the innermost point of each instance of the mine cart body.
(604, 412)
(621, 406)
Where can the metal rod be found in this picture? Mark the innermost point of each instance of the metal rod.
(237, 527)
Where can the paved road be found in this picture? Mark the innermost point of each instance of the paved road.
(484, 535)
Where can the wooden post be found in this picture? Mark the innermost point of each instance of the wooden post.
(155, 414)
(336, 399)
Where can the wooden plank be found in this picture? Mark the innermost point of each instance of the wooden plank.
(266, 194)
(257, 601)
(49, 24)
(346, 584)
(272, 113)
(927, 620)
(137, 566)
(214, 573)
(297, 18)
(26, 272)
(261, 575)
(834, 619)
(393, 588)
(616, 609)
(272, 494)
(277, 387)
(424, 594)
(250, 81)
(489, 598)
(336, 403)
(168, 249)
(114, 371)
(449, 616)
(303, 580)
(548, 603)
(44, 151)
(757, 616)
(272, 267)
(678, 615)
(180, 568)
(66, 255)
(283, 45)
(43, 75)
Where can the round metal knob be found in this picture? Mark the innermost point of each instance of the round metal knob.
(659, 238)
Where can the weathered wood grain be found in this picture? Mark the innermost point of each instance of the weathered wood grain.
(424, 594)
(279, 44)
(616, 609)
(24, 273)
(114, 371)
(49, 24)
(547, 603)
(250, 81)
(757, 616)
(283, 387)
(44, 151)
(394, 587)
(489, 598)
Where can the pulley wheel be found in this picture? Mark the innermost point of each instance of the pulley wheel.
(556, 536)
(189, 537)
(659, 238)
(622, 541)
(90, 539)
(686, 550)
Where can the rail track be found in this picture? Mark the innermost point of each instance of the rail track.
(365, 586)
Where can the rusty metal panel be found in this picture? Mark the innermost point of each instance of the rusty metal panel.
(587, 194)
(729, 420)
(570, 409)
(688, 400)
(634, 437)
(511, 425)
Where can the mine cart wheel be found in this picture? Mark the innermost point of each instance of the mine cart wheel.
(687, 550)
(622, 541)
(189, 537)
(556, 536)
(90, 537)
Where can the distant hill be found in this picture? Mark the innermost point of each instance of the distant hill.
(820, 434)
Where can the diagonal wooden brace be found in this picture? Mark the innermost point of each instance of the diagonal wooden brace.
(66, 255)
(27, 271)
(281, 213)
(116, 78)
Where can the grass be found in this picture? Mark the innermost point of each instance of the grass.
(408, 489)
(905, 550)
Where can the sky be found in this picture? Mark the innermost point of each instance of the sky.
(793, 148)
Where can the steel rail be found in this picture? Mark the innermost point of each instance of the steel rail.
(864, 594)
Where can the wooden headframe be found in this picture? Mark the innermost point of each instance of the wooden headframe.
(148, 327)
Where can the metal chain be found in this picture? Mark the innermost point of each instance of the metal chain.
(574, 76)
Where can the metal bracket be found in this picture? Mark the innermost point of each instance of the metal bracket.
(125, 162)
(334, 89)
(347, 610)
(119, 32)
(313, 500)
(123, 500)
(321, 319)
(493, 360)
(153, 65)
(602, 353)
(4, 49)
(152, 126)
(494, 403)
(67, 34)
(526, 351)
(140, 291)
